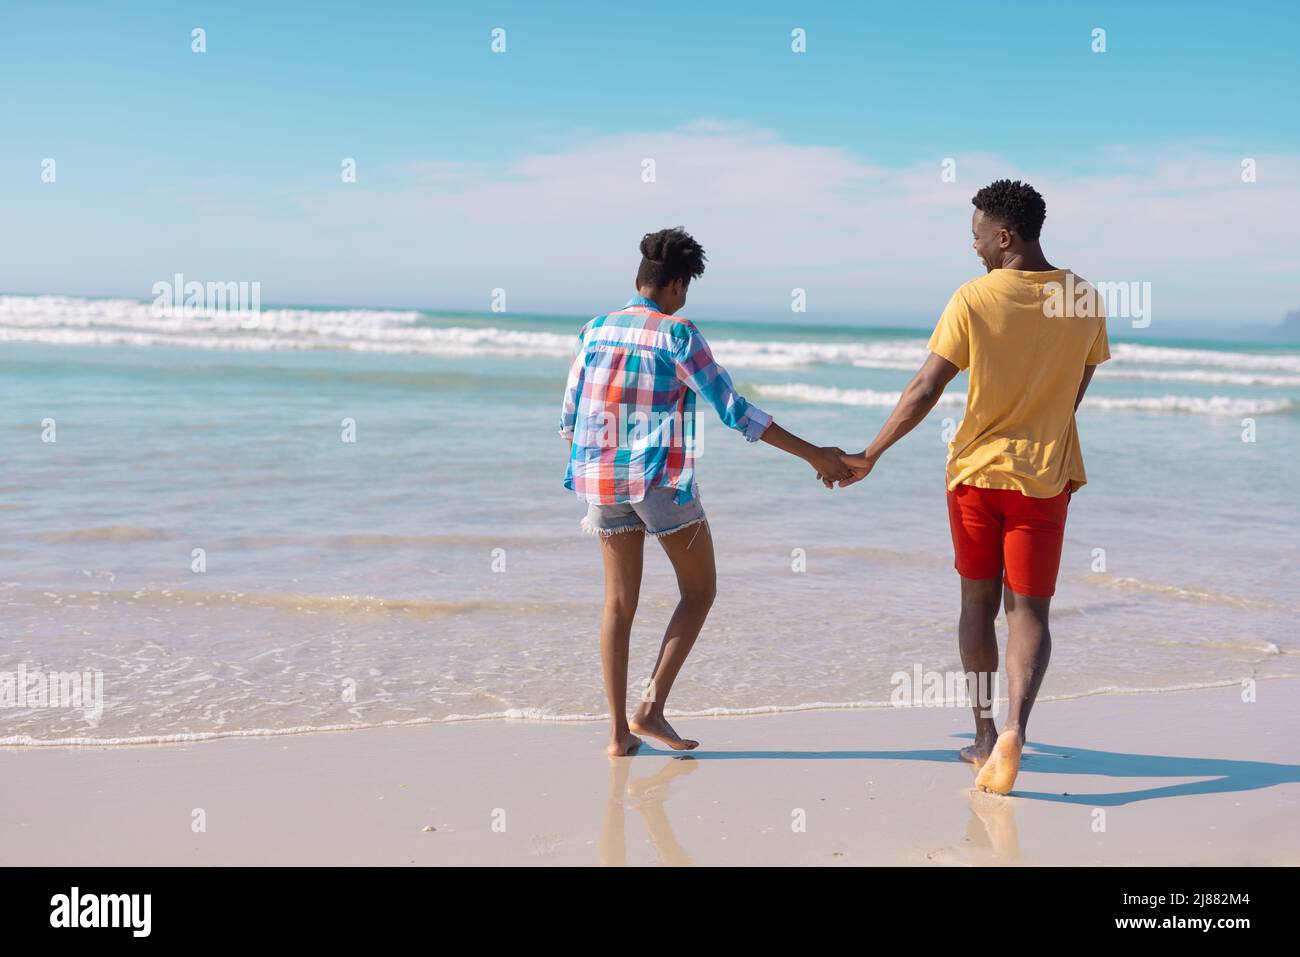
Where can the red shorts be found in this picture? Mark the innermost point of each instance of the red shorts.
(997, 529)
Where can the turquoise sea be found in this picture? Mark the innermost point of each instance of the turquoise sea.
(433, 569)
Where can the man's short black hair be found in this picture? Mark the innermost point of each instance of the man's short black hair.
(668, 255)
(1016, 205)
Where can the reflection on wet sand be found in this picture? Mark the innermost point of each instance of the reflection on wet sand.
(991, 836)
(647, 796)
(992, 826)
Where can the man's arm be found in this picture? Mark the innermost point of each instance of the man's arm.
(1083, 386)
(920, 396)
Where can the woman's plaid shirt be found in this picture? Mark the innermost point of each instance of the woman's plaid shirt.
(629, 405)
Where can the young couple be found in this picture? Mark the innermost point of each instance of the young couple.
(1012, 465)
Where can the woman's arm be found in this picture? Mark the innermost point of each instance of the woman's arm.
(827, 462)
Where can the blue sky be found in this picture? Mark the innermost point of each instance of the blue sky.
(521, 170)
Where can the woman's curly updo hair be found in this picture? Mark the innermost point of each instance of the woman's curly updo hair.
(668, 255)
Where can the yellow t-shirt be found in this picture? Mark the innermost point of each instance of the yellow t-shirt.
(1025, 336)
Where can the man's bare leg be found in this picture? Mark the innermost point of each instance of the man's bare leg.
(691, 552)
(623, 554)
(1029, 648)
(978, 642)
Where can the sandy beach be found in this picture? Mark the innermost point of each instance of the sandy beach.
(1184, 778)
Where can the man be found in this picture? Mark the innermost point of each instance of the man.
(629, 414)
(1015, 460)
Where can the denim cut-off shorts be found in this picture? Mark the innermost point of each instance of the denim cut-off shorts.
(657, 514)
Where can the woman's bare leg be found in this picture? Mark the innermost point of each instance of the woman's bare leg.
(691, 553)
(623, 556)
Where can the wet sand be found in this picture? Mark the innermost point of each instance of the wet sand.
(1192, 777)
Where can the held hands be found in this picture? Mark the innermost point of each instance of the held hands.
(859, 467)
(829, 463)
(834, 465)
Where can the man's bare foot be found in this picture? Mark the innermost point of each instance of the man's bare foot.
(657, 727)
(623, 745)
(978, 752)
(998, 774)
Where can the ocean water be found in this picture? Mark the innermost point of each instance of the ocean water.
(433, 569)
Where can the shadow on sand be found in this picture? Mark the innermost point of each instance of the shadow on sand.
(1219, 775)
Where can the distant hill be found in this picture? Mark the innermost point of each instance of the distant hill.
(1289, 330)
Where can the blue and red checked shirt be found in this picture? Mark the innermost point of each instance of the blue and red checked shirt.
(629, 405)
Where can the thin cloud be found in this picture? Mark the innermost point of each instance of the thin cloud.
(856, 235)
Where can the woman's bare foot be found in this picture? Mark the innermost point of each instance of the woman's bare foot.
(623, 745)
(656, 726)
(998, 775)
